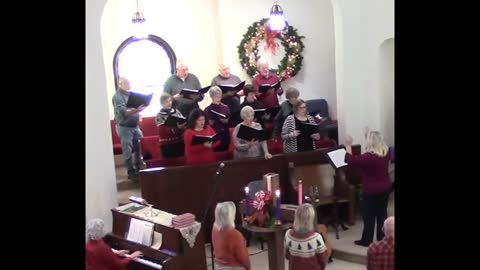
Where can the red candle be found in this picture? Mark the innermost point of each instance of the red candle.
(300, 192)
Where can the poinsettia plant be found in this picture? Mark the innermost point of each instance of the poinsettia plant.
(262, 214)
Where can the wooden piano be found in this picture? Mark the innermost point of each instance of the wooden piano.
(174, 253)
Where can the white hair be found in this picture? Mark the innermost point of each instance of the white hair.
(214, 90)
(94, 229)
(181, 63)
(389, 226)
(261, 62)
(246, 111)
(304, 217)
(225, 215)
(375, 144)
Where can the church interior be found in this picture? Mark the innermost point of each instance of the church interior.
(338, 51)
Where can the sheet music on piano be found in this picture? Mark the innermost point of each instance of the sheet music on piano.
(140, 231)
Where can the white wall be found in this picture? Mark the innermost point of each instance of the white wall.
(188, 26)
(360, 29)
(100, 178)
(387, 109)
(312, 18)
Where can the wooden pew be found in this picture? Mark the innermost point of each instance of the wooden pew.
(187, 188)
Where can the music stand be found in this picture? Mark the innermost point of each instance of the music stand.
(207, 210)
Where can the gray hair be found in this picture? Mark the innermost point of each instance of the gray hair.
(164, 97)
(214, 90)
(389, 226)
(304, 217)
(225, 215)
(292, 92)
(246, 111)
(94, 229)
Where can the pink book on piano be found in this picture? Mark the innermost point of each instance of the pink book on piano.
(183, 217)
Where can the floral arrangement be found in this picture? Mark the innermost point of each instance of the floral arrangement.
(262, 214)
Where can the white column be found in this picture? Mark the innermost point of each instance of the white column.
(101, 189)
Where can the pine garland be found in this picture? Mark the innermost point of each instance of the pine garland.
(289, 66)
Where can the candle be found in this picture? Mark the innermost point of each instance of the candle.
(277, 208)
(300, 192)
(247, 204)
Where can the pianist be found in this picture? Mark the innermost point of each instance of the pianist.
(229, 246)
(98, 255)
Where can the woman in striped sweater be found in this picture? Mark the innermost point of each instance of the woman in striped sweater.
(293, 139)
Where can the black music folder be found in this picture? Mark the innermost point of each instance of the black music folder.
(308, 128)
(136, 100)
(248, 133)
(200, 139)
(173, 120)
(188, 91)
(228, 87)
(337, 158)
(220, 115)
(263, 88)
(204, 89)
(272, 111)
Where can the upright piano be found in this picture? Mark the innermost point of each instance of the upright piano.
(174, 253)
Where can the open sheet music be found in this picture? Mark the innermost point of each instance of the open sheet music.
(337, 158)
(140, 231)
(200, 139)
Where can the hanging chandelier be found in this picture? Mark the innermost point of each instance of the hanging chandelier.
(277, 21)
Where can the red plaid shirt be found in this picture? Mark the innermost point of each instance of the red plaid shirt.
(381, 255)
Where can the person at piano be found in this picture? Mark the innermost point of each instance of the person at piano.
(305, 248)
(286, 109)
(269, 99)
(376, 184)
(171, 141)
(99, 255)
(229, 245)
(293, 139)
(252, 101)
(218, 115)
(197, 125)
(249, 149)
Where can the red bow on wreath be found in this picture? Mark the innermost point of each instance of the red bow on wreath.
(270, 37)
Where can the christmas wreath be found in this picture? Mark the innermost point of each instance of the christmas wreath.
(290, 40)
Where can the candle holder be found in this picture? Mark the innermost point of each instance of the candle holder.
(151, 212)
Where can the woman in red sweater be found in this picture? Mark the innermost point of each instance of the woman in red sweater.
(376, 183)
(99, 255)
(229, 245)
(200, 153)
